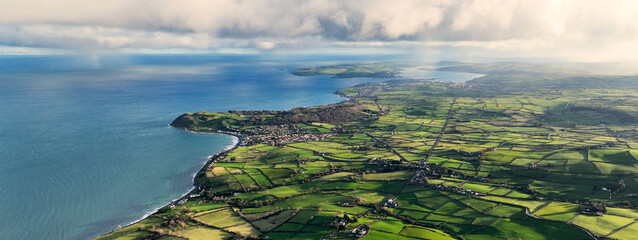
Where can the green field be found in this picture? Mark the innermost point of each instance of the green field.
(513, 155)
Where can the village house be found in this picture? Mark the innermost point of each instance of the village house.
(361, 231)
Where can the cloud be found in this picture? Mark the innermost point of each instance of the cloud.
(265, 45)
(568, 26)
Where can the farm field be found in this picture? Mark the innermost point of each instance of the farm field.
(408, 159)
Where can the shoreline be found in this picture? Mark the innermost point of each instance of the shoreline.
(240, 138)
(194, 192)
(209, 160)
(212, 158)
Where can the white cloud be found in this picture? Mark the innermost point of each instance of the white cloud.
(568, 27)
(265, 45)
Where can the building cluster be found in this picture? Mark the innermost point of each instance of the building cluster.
(277, 140)
(476, 179)
(533, 166)
(281, 129)
(304, 160)
(433, 171)
(474, 154)
(362, 148)
(383, 162)
(391, 203)
(596, 209)
(324, 154)
(459, 190)
(368, 89)
(346, 204)
(178, 202)
(341, 222)
(603, 146)
(360, 231)
(419, 178)
(275, 135)
(538, 166)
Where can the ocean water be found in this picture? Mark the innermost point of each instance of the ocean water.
(84, 140)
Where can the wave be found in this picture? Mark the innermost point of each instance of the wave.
(232, 144)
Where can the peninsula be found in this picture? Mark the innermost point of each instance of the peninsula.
(529, 151)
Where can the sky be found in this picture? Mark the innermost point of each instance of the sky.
(603, 30)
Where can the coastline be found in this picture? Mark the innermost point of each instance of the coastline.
(209, 160)
(240, 138)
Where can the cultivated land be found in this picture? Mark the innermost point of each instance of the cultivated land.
(526, 152)
(372, 70)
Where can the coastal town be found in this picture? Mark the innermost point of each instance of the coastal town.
(412, 158)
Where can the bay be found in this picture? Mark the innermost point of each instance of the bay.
(84, 140)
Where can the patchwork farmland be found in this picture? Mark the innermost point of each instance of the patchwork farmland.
(421, 159)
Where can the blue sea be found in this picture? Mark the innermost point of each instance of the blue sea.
(85, 144)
